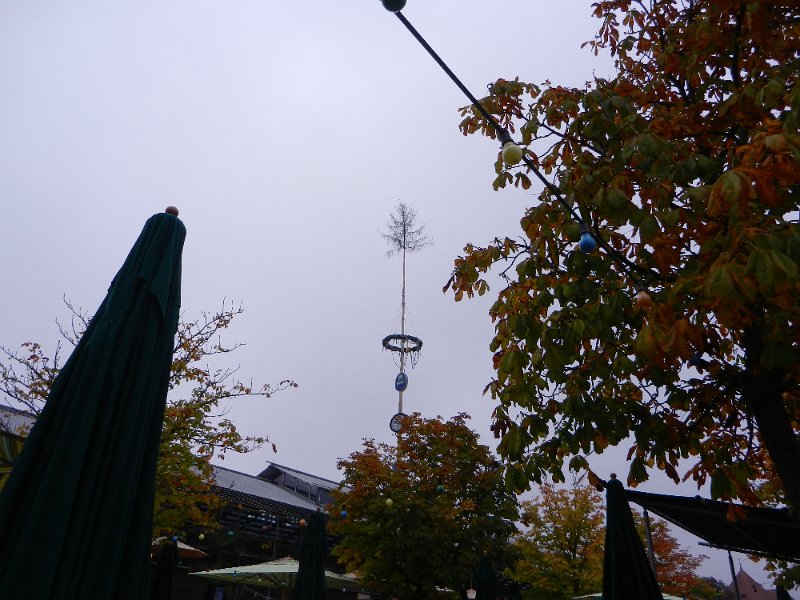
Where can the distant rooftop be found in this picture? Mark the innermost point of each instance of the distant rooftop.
(277, 489)
(311, 487)
(749, 588)
(274, 470)
(255, 491)
(15, 421)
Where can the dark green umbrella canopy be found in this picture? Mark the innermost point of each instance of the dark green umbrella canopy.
(76, 511)
(166, 564)
(626, 571)
(514, 593)
(310, 582)
(487, 580)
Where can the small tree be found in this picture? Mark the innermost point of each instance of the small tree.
(676, 568)
(419, 515)
(561, 553)
(195, 427)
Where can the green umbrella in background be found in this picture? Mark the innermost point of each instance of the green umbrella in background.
(626, 571)
(76, 511)
(310, 582)
(487, 580)
(166, 564)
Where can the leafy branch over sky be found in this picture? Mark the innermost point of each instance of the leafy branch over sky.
(678, 336)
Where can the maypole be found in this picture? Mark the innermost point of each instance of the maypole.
(403, 237)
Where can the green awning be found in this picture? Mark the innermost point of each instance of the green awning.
(771, 532)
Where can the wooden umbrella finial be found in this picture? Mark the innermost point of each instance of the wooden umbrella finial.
(171, 210)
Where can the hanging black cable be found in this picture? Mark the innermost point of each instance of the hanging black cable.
(505, 137)
(501, 131)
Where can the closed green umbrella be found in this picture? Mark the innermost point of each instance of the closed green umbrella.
(166, 564)
(310, 582)
(76, 511)
(626, 571)
(781, 593)
(487, 580)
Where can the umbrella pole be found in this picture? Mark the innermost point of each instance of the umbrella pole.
(733, 574)
(650, 554)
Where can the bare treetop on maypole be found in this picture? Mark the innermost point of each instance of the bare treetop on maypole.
(402, 235)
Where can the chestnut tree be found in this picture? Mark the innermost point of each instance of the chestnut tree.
(679, 334)
(418, 515)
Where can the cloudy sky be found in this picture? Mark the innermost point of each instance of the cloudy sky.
(286, 133)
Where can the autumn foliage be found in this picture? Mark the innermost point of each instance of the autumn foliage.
(679, 336)
(561, 549)
(418, 515)
(676, 568)
(196, 430)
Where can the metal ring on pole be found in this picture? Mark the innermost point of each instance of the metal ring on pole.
(413, 343)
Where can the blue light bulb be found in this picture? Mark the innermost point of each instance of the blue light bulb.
(587, 243)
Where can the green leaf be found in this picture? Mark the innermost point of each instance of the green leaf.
(720, 485)
(637, 471)
(649, 228)
(760, 265)
(787, 266)
(669, 218)
(780, 355)
(645, 345)
(719, 284)
(617, 199)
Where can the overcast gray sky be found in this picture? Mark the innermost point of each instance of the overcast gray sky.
(286, 133)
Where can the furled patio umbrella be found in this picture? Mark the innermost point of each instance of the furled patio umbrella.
(626, 570)
(487, 580)
(166, 563)
(310, 582)
(76, 511)
(782, 594)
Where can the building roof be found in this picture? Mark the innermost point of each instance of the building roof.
(255, 491)
(749, 588)
(274, 470)
(15, 421)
